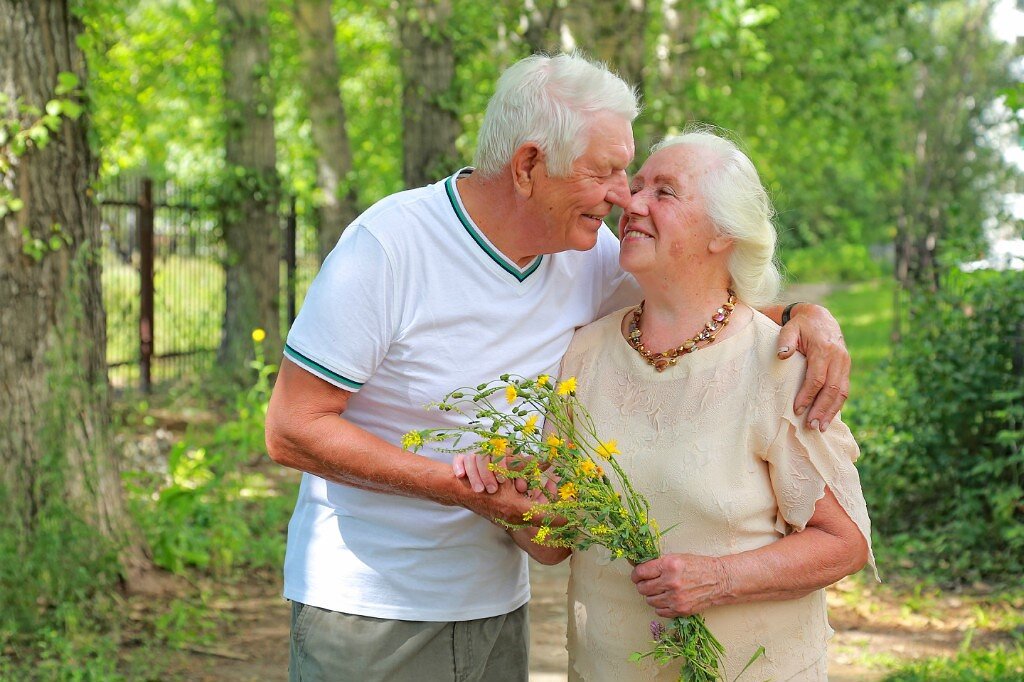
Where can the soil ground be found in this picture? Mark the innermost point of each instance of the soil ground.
(255, 644)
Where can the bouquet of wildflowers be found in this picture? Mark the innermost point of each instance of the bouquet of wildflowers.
(587, 508)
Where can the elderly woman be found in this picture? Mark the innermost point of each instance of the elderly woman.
(763, 513)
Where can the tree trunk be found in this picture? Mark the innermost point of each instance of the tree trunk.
(55, 442)
(338, 204)
(251, 225)
(430, 123)
(543, 25)
(613, 32)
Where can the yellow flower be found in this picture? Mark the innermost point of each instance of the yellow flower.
(511, 394)
(543, 379)
(542, 533)
(412, 439)
(553, 442)
(498, 445)
(600, 529)
(588, 468)
(567, 387)
(567, 491)
(607, 449)
(531, 425)
(258, 335)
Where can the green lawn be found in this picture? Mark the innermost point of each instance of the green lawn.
(865, 312)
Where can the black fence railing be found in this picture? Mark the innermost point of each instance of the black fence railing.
(163, 278)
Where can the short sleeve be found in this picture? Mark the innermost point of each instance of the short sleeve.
(803, 461)
(349, 317)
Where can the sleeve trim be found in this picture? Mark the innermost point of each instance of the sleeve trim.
(319, 369)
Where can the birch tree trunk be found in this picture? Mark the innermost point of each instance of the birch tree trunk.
(251, 224)
(319, 55)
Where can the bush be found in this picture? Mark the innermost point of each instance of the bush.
(830, 262)
(943, 464)
(215, 511)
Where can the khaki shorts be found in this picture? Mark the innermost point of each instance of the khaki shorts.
(327, 645)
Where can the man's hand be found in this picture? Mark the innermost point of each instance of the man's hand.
(814, 332)
(681, 584)
(505, 504)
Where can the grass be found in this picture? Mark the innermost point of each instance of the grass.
(865, 312)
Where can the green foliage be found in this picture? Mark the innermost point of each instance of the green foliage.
(831, 262)
(944, 443)
(1000, 664)
(214, 511)
(24, 127)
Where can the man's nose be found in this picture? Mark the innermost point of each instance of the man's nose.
(618, 192)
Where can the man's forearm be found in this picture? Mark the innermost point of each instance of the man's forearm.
(336, 450)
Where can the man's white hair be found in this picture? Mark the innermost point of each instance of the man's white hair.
(739, 207)
(549, 101)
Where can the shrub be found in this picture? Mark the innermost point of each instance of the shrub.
(943, 465)
(831, 262)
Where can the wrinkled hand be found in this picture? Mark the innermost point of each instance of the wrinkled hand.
(814, 332)
(504, 504)
(474, 469)
(681, 584)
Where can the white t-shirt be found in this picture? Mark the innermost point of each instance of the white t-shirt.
(412, 303)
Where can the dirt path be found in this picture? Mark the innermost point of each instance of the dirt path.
(255, 646)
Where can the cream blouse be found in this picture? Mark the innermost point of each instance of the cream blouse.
(715, 446)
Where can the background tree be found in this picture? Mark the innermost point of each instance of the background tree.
(430, 123)
(58, 460)
(952, 165)
(336, 197)
(251, 188)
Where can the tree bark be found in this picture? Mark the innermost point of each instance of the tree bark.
(430, 123)
(55, 442)
(338, 203)
(613, 32)
(251, 223)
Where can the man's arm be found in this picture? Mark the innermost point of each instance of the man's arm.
(305, 431)
(814, 332)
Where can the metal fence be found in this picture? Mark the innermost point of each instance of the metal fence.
(163, 278)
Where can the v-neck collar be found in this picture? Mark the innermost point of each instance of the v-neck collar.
(478, 236)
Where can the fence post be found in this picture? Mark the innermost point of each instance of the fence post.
(146, 285)
(290, 258)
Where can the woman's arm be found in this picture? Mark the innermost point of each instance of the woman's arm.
(549, 556)
(829, 548)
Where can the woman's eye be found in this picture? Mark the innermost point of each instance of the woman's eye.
(633, 190)
(666, 192)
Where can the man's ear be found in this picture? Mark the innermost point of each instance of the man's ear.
(524, 167)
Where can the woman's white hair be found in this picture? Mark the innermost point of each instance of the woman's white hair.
(739, 207)
(549, 100)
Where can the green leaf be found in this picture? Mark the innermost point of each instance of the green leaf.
(66, 82)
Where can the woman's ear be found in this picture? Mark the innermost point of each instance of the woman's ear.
(720, 243)
(524, 167)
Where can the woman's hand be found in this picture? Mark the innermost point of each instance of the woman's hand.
(829, 548)
(814, 332)
(681, 584)
(474, 469)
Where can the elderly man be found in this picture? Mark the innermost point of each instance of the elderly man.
(393, 567)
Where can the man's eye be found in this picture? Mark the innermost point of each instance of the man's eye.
(666, 192)
(633, 190)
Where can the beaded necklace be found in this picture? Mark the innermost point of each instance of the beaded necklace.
(664, 360)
